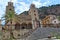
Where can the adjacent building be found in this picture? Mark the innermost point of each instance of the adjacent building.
(50, 21)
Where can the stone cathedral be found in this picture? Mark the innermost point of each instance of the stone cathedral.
(27, 24)
(30, 21)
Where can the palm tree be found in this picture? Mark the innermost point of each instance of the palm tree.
(11, 17)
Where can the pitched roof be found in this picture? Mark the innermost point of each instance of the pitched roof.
(25, 17)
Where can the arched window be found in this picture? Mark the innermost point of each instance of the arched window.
(29, 26)
(34, 14)
(23, 26)
(54, 21)
(10, 9)
(34, 10)
(18, 34)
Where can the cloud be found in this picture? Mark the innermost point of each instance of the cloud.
(46, 3)
(3, 3)
(21, 6)
(37, 3)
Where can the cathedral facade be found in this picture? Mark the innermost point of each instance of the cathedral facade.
(26, 25)
(30, 21)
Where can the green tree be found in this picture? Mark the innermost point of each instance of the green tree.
(59, 18)
(11, 17)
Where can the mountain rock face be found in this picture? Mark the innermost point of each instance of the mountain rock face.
(44, 11)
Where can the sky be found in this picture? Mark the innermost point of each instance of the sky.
(23, 5)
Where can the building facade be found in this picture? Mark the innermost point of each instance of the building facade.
(50, 21)
(26, 24)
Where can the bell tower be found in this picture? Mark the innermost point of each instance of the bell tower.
(9, 10)
(34, 15)
(10, 7)
(33, 12)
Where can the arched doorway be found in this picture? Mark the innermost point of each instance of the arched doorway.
(23, 26)
(17, 26)
(29, 26)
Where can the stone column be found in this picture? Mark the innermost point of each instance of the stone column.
(33, 25)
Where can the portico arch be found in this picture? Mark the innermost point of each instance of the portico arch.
(23, 26)
(17, 26)
(29, 26)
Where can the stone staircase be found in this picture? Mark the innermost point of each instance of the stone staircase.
(28, 33)
(41, 33)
